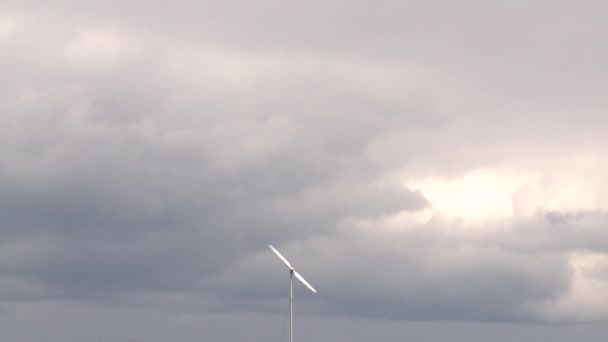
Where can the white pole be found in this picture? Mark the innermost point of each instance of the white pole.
(291, 306)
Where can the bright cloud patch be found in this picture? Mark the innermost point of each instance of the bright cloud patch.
(476, 197)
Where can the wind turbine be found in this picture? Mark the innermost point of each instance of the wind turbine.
(292, 272)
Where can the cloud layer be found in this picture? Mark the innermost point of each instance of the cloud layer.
(417, 161)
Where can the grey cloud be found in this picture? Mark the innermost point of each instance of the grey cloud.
(427, 272)
(154, 171)
(562, 231)
(124, 189)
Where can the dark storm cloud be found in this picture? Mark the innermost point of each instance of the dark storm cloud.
(117, 180)
(149, 153)
(433, 271)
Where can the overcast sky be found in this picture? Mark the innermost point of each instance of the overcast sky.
(435, 169)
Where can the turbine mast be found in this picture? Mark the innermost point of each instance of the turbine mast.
(291, 305)
(292, 272)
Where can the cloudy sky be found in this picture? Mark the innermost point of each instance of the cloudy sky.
(436, 169)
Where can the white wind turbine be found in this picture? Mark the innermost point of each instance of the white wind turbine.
(292, 272)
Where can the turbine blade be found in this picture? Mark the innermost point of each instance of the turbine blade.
(304, 281)
(280, 257)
